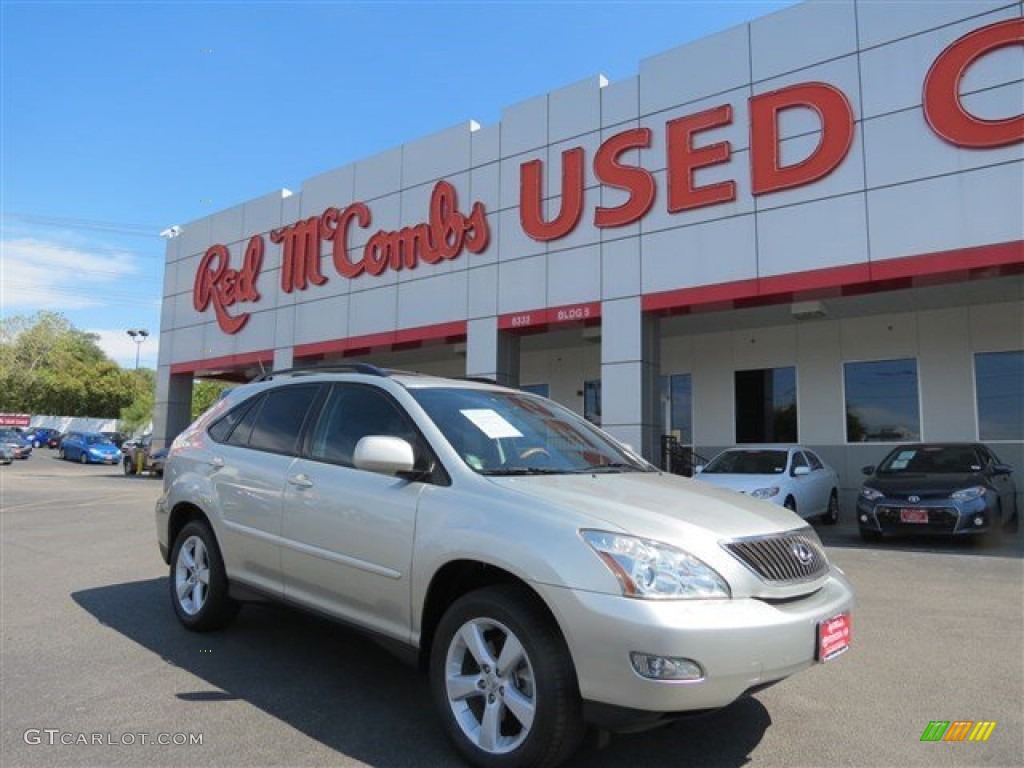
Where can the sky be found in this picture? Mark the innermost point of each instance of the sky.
(121, 119)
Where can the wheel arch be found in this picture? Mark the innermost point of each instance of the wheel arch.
(460, 577)
(183, 514)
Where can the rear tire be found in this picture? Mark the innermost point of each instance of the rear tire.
(831, 516)
(503, 681)
(61, 455)
(198, 580)
(129, 467)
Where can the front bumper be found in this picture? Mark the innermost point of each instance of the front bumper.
(945, 516)
(740, 643)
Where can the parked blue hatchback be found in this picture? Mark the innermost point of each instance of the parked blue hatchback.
(89, 448)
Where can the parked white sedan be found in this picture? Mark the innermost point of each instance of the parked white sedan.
(790, 476)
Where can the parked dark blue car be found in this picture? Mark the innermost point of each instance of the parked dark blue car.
(40, 436)
(89, 448)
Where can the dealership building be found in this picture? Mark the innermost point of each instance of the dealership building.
(808, 228)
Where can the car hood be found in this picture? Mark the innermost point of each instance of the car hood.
(920, 483)
(745, 483)
(655, 505)
(103, 448)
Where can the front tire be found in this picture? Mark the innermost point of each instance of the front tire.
(503, 682)
(83, 458)
(198, 580)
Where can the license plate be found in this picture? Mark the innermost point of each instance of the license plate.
(833, 637)
(913, 515)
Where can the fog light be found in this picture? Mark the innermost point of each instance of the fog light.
(863, 518)
(665, 667)
(979, 521)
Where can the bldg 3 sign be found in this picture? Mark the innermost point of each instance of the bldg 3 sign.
(448, 232)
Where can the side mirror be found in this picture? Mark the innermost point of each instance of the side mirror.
(384, 455)
(801, 471)
(1002, 469)
(868, 470)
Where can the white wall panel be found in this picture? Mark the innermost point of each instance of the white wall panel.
(485, 145)
(378, 175)
(510, 176)
(704, 254)
(524, 126)
(385, 213)
(972, 208)
(736, 132)
(323, 319)
(585, 232)
(263, 214)
(824, 30)
(334, 188)
(818, 235)
(284, 328)
(620, 102)
(714, 384)
(841, 73)
(513, 243)
(893, 75)
(432, 300)
(620, 268)
(485, 187)
(226, 225)
(522, 284)
(900, 148)
(882, 22)
(575, 109)
(372, 311)
(946, 375)
(553, 168)
(878, 337)
(574, 276)
(997, 327)
(483, 291)
(820, 406)
(772, 347)
(194, 237)
(695, 71)
(736, 170)
(437, 156)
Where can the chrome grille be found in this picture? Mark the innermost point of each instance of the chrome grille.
(777, 558)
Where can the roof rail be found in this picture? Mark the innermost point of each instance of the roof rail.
(310, 370)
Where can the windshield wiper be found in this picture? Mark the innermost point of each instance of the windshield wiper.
(615, 467)
(524, 471)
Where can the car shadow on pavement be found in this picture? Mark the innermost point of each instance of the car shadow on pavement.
(338, 687)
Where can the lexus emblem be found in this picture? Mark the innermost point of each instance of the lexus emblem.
(802, 552)
(913, 499)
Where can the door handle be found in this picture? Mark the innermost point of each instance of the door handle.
(300, 481)
(217, 462)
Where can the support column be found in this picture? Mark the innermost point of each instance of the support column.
(172, 412)
(492, 353)
(630, 374)
(284, 358)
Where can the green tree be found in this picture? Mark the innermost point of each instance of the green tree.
(205, 393)
(137, 414)
(49, 366)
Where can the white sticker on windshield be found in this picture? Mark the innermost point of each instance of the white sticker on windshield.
(491, 423)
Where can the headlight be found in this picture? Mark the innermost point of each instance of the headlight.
(765, 493)
(870, 494)
(652, 570)
(967, 494)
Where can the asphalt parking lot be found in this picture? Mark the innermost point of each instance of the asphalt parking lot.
(91, 648)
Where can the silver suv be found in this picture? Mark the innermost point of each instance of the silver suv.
(544, 574)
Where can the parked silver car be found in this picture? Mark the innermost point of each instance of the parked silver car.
(544, 574)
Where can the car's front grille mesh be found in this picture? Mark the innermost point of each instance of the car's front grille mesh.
(783, 558)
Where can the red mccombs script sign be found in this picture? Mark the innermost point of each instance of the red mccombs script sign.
(448, 232)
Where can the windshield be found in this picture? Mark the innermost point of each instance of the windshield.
(512, 433)
(748, 462)
(932, 460)
(97, 440)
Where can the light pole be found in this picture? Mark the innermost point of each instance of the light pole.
(138, 336)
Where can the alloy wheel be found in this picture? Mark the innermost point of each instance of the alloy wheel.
(491, 686)
(192, 575)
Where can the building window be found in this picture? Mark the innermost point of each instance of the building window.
(882, 401)
(536, 389)
(766, 406)
(999, 383)
(677, 407)
(592, 401)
